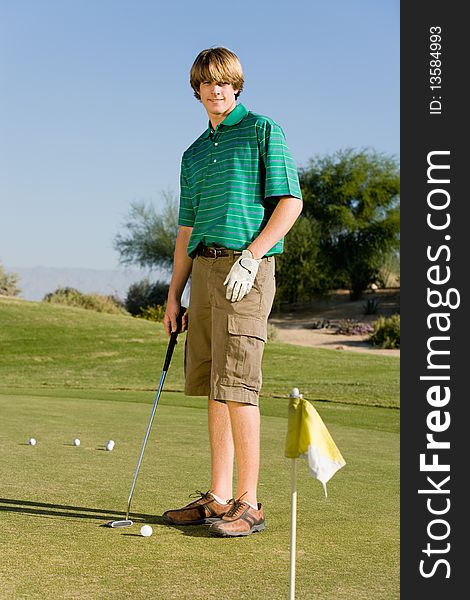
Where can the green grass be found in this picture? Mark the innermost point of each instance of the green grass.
(66, 372)
(43, 345)
(55, 496)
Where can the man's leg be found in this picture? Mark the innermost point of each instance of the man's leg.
(222, 449)
(245, 516)
(245, 421)
(213, 504)
(198, 358)
(238, 337)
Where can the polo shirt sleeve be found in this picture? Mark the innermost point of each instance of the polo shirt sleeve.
(281, 177)
(186, 214)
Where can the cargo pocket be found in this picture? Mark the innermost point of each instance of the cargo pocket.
(244, 348)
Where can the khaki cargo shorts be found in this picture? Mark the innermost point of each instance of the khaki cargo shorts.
(225, 340)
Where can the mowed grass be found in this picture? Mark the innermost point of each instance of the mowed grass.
(55, 497)
(67, 373)
(43, 346)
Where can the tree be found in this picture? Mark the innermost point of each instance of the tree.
(299, 275)
(354, 196)
(150, 237)
(143, 294)
(8, 283)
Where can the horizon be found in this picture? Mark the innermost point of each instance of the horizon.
(35, 282)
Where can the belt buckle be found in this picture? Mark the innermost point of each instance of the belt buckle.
(212, 251)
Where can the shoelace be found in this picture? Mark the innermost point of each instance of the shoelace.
(198, 494)
(237, 505)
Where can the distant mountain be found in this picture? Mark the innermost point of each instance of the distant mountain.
(36, 282)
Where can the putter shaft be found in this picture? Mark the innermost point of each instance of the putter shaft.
(152, 415)
(169, 353)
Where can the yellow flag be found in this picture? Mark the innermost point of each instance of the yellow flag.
(308, 437)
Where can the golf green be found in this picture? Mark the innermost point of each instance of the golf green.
(55, 497)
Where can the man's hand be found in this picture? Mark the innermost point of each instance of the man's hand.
(171, 314)
(241, 276)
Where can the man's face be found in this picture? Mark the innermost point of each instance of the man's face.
(218, 99)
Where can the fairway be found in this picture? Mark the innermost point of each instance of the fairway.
(67, 373)
(52, 346)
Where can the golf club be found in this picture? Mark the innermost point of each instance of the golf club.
(169, 353)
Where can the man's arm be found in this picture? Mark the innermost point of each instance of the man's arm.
(241, 276)
(284, 216)
(182, 266)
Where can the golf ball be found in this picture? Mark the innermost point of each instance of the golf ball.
(110, 445)
(76, 442)
(295, 393)
(32, 442)
(146, 530)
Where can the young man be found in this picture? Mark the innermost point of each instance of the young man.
(240, 195)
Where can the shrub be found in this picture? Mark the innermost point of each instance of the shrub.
(72, 297)
(272, 333)
(143, 294)
(321, 324)
(386, 332)
(153, 313)
(353, 327)
(8, 283)
(371, 306)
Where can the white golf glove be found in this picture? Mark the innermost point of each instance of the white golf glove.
(241, 276)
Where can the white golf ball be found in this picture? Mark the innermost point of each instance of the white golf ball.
(295, 393)
(76, 442)
(110, 445)
(146, 530)
(32, 442)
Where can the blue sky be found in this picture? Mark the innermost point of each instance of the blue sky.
(96, 108)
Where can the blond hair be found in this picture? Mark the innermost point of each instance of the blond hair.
(219, 65)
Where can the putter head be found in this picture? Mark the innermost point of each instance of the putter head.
(123, 523)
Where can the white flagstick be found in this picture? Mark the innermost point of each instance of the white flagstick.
(293, 525)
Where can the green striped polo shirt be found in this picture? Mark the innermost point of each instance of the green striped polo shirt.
(232, 178)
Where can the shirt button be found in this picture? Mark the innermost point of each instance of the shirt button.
(216, 143)
(215, 160)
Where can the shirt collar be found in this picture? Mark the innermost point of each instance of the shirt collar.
(233, 118)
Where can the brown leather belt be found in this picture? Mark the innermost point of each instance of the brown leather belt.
(215, 251)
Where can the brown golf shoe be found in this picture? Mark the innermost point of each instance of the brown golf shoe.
(241, 519)
(205, 509)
